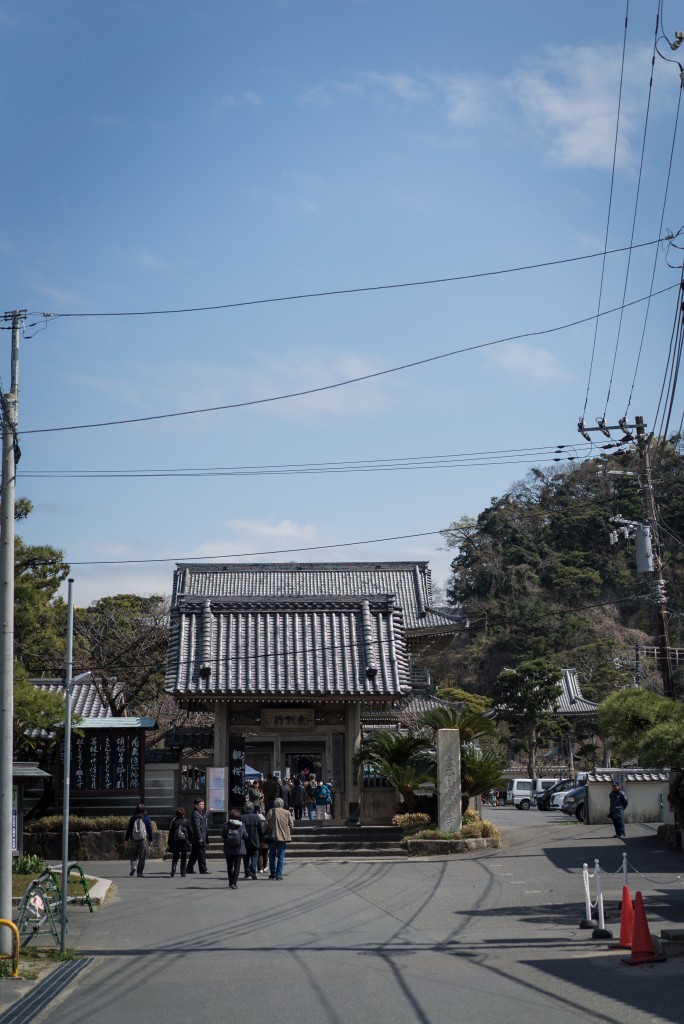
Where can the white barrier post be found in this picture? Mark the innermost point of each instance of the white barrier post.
(601, 932)
(588, 921)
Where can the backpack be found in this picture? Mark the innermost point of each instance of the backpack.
(181, 834)
(139, 830)
(231, 839)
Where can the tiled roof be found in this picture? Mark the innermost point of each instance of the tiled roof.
(409, 582)
(625, 775)
(407, 711)
(28, 770)
(291, 647)
(86, 699)
(571, 703)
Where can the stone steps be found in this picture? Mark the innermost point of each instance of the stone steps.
(328, 840)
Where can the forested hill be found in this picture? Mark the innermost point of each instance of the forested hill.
(537, 576)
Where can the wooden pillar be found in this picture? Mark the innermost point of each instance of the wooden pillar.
(352, 720)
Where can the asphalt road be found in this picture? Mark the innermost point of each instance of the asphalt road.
(486, 936)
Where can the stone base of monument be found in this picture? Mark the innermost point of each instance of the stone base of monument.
(440, 847)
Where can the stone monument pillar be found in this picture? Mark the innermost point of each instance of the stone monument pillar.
(449, 779)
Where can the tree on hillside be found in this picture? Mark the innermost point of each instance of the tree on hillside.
(642, 723)
(124, 638)
(537, 578)
(525, 697)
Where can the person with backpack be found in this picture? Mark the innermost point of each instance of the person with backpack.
(235, 841)
(179, 840)
(323, 799)
(255, 832)
(138, 835)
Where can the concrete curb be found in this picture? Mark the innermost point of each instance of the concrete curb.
(98, 891)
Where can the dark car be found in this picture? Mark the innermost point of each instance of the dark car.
(544, 799)
(575, 801)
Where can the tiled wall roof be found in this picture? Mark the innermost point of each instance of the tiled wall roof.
(85, 695)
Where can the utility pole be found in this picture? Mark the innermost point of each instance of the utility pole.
(664, 653)
(649, 558)
(8, 822)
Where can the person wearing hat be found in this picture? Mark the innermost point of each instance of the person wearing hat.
(618, 802)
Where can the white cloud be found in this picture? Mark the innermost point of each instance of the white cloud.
(571, 95)
(252, 98)
(399, 85)
(283, 530)
(306, 369)
(150, 261)
(533, 363)
(318, 96)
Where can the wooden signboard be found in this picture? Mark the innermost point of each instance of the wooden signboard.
(281, 719)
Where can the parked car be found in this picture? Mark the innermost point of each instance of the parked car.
(575, 801)
(522, 792)
(553, 797)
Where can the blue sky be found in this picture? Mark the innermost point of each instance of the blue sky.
(163, 155)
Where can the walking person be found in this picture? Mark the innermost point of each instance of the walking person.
(271, 790)
(199, 838)
(286, 794)
(179, 841)
(323, 799)
(279, 835)
(297, 799)
(138, 835)
(618, 802)
(235, 838)
(309, 797)
(255, 832)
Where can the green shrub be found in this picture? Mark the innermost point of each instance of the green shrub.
(470, 816)
(409, 823)
(28, 864)
(473, 830)
(53, 823)
(433, 833)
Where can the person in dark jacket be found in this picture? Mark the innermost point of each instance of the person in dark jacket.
(297, 798)
(138, 835)
(271, 790)
(179, 840)
(618, 802)
(286, 794)
(255, 833)
(235, 842)
(199, 838)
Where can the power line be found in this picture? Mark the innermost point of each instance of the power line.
(357, 291)
(610, 206)
(542, 514)
(504, 457)
(634, 215)
(351, 380)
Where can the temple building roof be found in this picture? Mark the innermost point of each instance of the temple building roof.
(284, 646)
(570, 703)
(408, 582)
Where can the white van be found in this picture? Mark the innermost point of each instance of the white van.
(522, 793)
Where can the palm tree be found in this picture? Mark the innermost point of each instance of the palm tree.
(471, 724)
(405, 761)
(481, 771)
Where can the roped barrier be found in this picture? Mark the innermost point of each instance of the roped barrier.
(599, 923)
(15, 946)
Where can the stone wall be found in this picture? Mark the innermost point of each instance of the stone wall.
(106, 845)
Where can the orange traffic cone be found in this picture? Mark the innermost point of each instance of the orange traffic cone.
(626, 921)
(642, 947)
